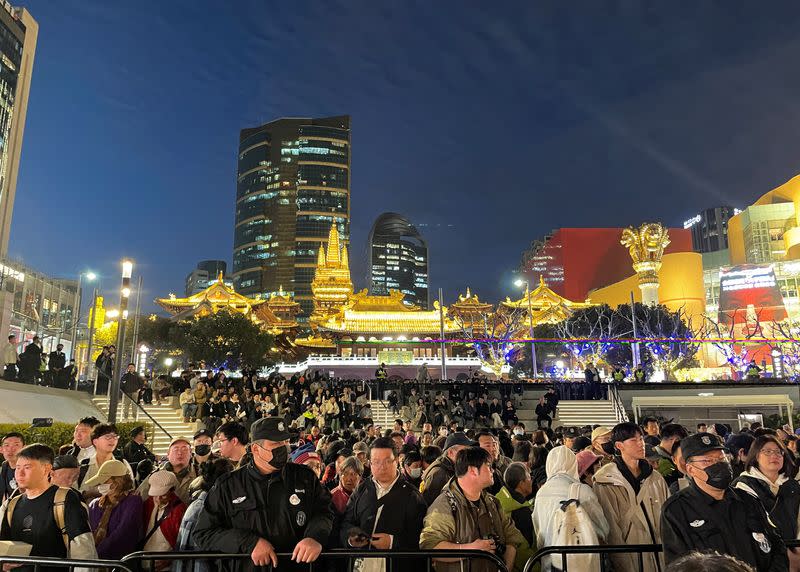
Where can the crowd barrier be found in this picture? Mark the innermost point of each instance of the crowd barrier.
(133, 562)
(563, 551)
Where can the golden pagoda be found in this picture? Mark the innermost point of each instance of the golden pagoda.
(471, 313)
(546, 306)
(331, 286)
(276, 314)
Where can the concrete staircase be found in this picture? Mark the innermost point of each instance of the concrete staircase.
(580, 413)
(381, 414)
(168, 417)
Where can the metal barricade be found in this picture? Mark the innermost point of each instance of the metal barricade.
(602, 550)
(69, 563)
(133, 560)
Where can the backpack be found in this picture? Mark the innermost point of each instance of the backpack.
(574, 528)
(58, 513)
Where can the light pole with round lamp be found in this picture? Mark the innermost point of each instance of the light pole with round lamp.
(125, 292)
(168, 362)
(519, 283)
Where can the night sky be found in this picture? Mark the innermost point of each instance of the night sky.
(486, 124)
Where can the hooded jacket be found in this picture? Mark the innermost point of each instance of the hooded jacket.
(562, 473)
(781, 499)
(632, 518)
(520, 513)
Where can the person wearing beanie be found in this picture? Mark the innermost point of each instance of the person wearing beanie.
(588, 463)
(135, 450)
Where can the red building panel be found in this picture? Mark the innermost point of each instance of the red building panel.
(575, 261)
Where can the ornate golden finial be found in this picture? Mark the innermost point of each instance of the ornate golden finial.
(321, 255)
(219, 277)
(541, 281)
(334, 256)
(469, 294)
(646, 246)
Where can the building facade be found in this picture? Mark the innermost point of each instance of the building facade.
(204, 275)
(398, 259)
(293, 183)
(575, 261)
(18, 36)
(710, 229)
(32, 303)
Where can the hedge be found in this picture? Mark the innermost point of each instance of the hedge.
(61, 433)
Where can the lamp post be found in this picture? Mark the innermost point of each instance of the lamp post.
(76, 309)
(125, 292)
(168, 362)
(519, 282)
(136, 319)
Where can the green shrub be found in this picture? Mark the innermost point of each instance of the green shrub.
(61, 433)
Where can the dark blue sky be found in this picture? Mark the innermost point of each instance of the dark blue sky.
(487, 124)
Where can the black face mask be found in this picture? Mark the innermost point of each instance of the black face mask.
(608, 448)
(280, 456)
(720, 475)
(202, 450)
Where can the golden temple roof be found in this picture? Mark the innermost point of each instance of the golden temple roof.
(469, 303)
(276, 312)
(368, 314)
(546, 306)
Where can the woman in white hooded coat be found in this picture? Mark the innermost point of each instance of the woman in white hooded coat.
(562, 476)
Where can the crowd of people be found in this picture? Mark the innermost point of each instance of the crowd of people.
(35, 366)
(297, 466)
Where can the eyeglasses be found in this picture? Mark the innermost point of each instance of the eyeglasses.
(705, 461)
(110, 437)
(771, 452)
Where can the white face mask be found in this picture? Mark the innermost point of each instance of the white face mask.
(415, 473)
(519, 432)
(104, 489)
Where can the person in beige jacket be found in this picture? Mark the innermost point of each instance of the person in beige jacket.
(632, 495)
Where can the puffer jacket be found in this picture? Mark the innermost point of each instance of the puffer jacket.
(632, 518)
(453, 518)
(435, 478)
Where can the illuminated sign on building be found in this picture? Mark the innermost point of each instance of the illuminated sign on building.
(750, 292)
(691, 222)
(745, 278)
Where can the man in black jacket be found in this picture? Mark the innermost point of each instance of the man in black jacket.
(136, 450)
(266, 507)
(56, 362)
(130, 383)
(400, 506)
(709, 515)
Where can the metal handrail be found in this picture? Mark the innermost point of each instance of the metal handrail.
(429, 555)
(37, 561)
(150, 417)
(622, 415)
(565, 551)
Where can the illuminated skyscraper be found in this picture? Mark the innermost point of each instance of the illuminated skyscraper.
(398, 259)
(18, 34)
(293, 182)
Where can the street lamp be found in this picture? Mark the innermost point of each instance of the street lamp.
(168, 362)
(125, 290)
(519, 283)
(76, 309)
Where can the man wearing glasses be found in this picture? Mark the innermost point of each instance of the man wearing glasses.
(105, 440)
(709, 515)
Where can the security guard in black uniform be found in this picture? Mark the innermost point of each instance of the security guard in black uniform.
(709, 515)
(267, 506)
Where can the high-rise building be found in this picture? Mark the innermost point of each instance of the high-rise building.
(206, 272)
(398, 259)
(18, 34)
(710, 229)
(293, 183)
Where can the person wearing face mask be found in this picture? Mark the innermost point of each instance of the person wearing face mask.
(116, 516)
(412, 468)
(202, 441)
(709, 515)
(299, 507)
